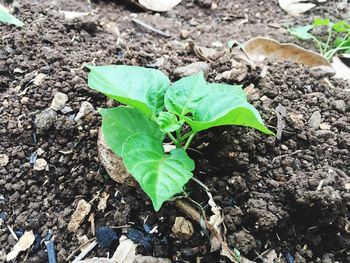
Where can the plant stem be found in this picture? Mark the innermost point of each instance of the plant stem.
(200, 183)
(178, 134)
(189, 140)
(318, 43)
(185, 136)
(331, 52)
(328, 39)
(176, 142)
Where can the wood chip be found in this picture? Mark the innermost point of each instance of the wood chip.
(82, 210)
(23, 244)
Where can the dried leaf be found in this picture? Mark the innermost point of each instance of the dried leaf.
(159, 5)
(217, 221)
(82, 210)
(113, 164)
(23, 244)
(281, 113)
(341, 69)
(260, 48)
(296, 7)
(126, 251)
(206, 54)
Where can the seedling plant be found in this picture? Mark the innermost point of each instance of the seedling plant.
(155, 109)
(337, 39)
(7, 18)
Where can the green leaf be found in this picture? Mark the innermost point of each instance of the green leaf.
(211, 105)
(321, 22)
(168, 122)
(160, 175)
(341, 26)
(225, 109)
(182, 97)
(141, 88)
(8, 18)
(120, 123)
(301, 32)
(340, 41)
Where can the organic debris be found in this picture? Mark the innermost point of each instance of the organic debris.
(24, 243)
(260, 48)
(126, 251)
(280, 113)
(112, 163)
(82, 210)
(157, 5)
(102, 204)
(341, 69)
(296, 7)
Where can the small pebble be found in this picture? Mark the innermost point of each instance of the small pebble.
(40, 164)
(4, 159)
(59, 101)
(325, 126)
(85, 109)
(24, 100)
(192, 69)
(340, 105)
(315, 120)
(184, 34)
(182, 228)
(45, 119)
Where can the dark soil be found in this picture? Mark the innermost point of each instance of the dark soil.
(285, 194)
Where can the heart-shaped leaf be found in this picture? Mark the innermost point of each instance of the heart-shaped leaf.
(341, 26)
(183, 96)
(120, 123)
(6, 17)
(211, 104)
(160, 175)
(321, 22)
(301, 32)
(217, 111)
(168, 122)
(141, 88)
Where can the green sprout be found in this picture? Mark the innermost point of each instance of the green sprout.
(337, 39)
(6, 17)
(156, 108)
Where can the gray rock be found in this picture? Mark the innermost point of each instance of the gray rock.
(85, 109)
(192, 69)
(340, 105)
(45, 119)
(315, 120)
(59, 101)
(66, 110)
(4, 159)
